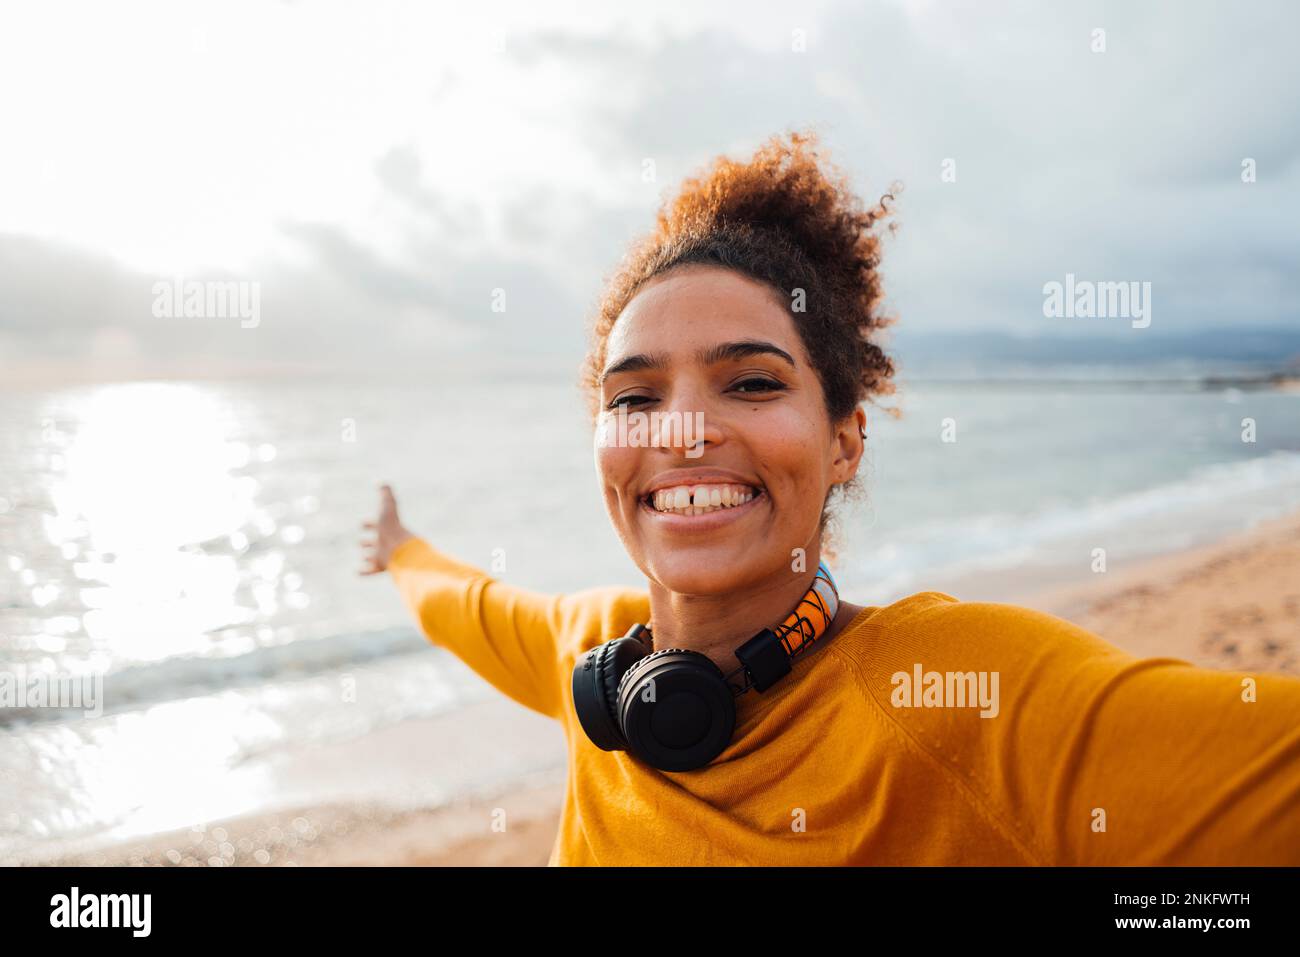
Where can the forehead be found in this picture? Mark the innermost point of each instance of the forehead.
(691, 305)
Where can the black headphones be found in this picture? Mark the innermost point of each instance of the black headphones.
(674, 709)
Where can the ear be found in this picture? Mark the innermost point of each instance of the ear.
(849, 444)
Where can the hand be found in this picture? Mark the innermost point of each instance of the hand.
(389, 533)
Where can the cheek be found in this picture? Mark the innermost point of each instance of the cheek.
(616, 468)
(789, 447)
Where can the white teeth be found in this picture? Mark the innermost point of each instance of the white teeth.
(700, 499)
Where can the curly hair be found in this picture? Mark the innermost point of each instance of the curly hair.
(787, 218)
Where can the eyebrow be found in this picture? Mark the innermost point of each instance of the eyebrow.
(723, 352)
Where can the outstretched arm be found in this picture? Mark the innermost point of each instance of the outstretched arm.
(1188, 765)
(1088, 755)
(508, 635)
(1123, 760)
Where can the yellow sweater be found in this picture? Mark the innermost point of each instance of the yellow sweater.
(1086, 755)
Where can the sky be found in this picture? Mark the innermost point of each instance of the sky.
(379, 170)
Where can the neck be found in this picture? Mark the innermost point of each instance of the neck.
(716, 625)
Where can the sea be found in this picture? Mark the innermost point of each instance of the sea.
(194, 546)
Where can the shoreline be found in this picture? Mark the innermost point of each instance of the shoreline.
(1232, 604)
(504, 827)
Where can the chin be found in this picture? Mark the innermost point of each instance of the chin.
(708, 571)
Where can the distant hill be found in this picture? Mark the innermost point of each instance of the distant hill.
(1259, 349)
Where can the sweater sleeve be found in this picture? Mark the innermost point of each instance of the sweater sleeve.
(1189, 765)
(510, 636)
(1133, 760)
(1095, 756)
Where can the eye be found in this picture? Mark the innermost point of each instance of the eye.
(757, 384)
(627, 402)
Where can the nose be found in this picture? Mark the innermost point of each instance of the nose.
(687, 424)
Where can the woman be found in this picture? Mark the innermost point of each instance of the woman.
(931, 731)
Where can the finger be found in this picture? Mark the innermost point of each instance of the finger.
(371, 525)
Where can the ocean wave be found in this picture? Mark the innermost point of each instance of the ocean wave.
(138, 685)
(1004, 540)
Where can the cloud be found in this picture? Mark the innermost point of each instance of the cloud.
(1120, 165)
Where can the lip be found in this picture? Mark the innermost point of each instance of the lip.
(698, 477)
(707, 522)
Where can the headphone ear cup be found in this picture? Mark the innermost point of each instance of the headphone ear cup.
(675, 710)
(596, 680)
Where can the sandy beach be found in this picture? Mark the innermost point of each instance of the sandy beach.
(1233, 605)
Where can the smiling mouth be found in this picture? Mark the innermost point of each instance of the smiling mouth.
(688, 500)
